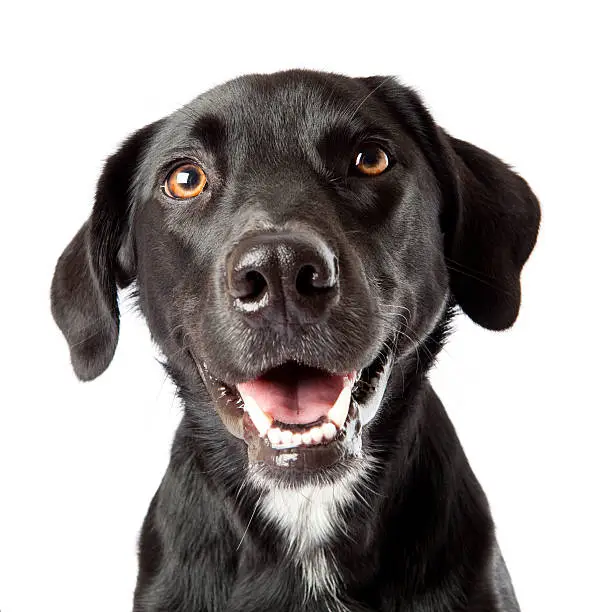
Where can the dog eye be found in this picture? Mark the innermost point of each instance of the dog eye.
(185, 181)
(371, 160)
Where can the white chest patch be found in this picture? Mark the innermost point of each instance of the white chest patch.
(310, 517)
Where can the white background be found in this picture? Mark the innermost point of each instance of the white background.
(80, 462)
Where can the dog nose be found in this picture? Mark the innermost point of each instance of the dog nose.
(282, 278)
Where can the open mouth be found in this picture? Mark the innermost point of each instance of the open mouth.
(296, 405)
(295, 415)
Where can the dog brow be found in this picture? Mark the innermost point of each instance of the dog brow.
(210, 131)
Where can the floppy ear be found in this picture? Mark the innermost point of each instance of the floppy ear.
(490, 216)
(496, 224)
(98, 259)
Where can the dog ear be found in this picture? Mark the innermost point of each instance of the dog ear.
(490, 216)
(98, 260)
(496, 225)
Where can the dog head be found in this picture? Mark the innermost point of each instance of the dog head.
(292, 237)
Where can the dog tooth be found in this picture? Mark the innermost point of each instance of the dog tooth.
(338, 413)
(274, 435)
(296, 439)
(306, 438)
(329, 431)
(286, 437)
(261, 420)
(316, 435)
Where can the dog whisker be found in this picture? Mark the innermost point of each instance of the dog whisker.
(250, 521)
(478, 277)
(368, 96)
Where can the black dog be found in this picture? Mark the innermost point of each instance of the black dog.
(299, 243)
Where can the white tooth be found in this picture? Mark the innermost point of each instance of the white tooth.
(261, 420)
(316, 434)
(329, 431)
(286, 437)
(306, 438)
(274, 435)
(338, 413)
(296, 439)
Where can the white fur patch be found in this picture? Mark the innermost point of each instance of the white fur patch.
(309, 517)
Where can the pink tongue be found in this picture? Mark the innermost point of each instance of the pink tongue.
(295, 394)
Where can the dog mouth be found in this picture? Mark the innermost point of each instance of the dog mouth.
(299, 416)
(296, 405)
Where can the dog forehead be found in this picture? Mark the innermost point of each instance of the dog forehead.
(288, 108)
(283, 95)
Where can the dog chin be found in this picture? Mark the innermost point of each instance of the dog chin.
(300, 422)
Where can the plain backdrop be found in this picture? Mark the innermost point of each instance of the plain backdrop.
(80, 462)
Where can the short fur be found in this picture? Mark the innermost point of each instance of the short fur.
(449, 225)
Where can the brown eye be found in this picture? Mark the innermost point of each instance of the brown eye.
(371, 160)
(185, 181)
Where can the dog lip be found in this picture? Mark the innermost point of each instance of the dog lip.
(232, 380)
(218, 386)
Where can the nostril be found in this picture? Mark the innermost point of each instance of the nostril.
(306, 280)
(249, 286)
(311, 281)
(256, 284)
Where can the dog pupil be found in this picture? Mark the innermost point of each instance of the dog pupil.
(187, 178)
(369, 158)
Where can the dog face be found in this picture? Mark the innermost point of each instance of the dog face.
(293, 237)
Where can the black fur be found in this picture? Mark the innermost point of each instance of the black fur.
(448, 226)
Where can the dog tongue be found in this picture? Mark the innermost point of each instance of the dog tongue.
(295, 394)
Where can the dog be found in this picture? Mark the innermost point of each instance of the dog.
(299, 244)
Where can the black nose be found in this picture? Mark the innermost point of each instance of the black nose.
(282, 278)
